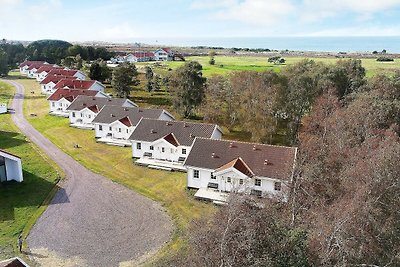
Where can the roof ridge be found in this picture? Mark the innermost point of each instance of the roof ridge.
(244, 142)
(206, 123)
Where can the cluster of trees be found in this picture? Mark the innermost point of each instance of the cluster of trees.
(269, 102)
(153, 80)
(343, 208)
(277, 60)
(52, 51)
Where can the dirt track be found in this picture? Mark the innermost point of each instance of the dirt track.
(91, 221)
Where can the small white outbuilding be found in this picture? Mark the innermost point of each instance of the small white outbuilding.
(10, 167)
(3, 108)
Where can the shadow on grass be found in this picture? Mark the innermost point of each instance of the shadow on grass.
(10, 139)
(36, 255)
(30, 193)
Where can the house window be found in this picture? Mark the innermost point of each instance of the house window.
(163, 149)
(213, 176)
(89, 116)
(110, 128)
(196, 174)
(119, 129)
(241, 181)
(100, 127)
(127, 130)
(256, 192)
(229, 180)
(81, 115)
(139, 146)
(172, 150)
(73, 114)
(257, 182)
(53, 104)
(277, 186)
(151, 147)
(184, 151)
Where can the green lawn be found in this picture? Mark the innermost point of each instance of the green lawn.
(227, 64)
(20, 203)
(168, 188)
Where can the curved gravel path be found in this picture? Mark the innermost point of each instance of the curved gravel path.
(91, 221)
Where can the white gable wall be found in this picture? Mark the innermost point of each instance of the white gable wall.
(13, 168)
(59, 105)
(267, 184)
(97, 87)
(80, 75)
(170, 152)
(82, 117)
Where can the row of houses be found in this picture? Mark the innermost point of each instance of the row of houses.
(162, 54)
(214, 166)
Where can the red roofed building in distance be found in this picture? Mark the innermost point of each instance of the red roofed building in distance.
(80, 84)
(61, 99)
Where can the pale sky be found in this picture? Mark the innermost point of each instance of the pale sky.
(130, 21)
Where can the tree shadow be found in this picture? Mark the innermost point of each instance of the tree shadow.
(30, 193)
(10, 139)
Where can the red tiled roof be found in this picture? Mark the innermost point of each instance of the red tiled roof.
(56, 78)
(143, 54)
(126, 121)
(63, 72)
(70, 94)
(47, 68)
(28, 63)
(35, 66)
(74, 84)
(167, 49)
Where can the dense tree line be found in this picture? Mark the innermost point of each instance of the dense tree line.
(343, 208)
(53, 51)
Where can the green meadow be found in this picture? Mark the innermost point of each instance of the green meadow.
(22, 203)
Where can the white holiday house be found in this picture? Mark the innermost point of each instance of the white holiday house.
(114, 124)
(167, 143)
(163, 54)
(215, 166)
(84, 109)
(44, 70)
(10, 167)
(23, 67)
(61, 99)
(80, 84)
(48, 83)
(31, 70)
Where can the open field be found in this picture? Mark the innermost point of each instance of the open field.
(21, 202)
(227, 64)
(168, 188)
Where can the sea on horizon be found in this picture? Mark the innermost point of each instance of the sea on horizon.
(316, 44)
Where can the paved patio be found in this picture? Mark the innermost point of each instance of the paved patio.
(114, 142)
(212, 194)
(163, 164)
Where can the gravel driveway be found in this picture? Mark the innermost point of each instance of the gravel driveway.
(91, 221)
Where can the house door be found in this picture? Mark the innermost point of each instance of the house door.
(3, 175)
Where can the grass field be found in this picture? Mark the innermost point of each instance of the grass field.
(20, 203)
(168, 188)
(227, 64)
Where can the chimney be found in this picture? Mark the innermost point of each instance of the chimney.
(191, 135)
(254, 148)
(185, 125)
(231, 144)
(213, 155)
(126, 109)
(152, 131)
(109, 99)
(112, 115)
(168, 123)
(93, 98)
(266, 162)
(140, 110)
